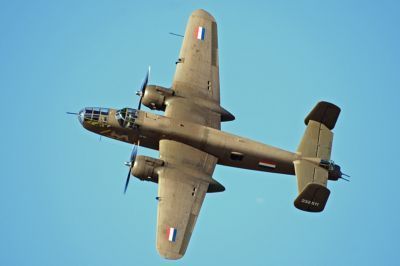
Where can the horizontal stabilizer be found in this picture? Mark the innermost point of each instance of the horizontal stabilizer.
(325, 113)
(313, 198)
(311, 184)
(315, 147)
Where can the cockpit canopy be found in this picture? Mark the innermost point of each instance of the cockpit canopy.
(93, 114)
(126, 117)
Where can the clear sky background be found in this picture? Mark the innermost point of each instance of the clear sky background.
(61, 192)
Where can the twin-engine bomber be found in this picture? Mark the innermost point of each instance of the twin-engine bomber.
(191, 143)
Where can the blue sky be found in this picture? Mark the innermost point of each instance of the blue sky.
(61, 194)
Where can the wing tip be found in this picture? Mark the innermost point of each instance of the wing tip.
(169, 255)
(203, 14)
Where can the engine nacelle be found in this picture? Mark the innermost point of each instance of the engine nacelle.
(145, 168)
(154, 97)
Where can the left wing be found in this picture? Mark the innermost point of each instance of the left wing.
(182, 186)
(180, 199)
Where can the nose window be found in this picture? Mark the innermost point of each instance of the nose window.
(96, 113)
(93, 113)
(126, 117)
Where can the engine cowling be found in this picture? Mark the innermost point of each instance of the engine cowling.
(145, 168)
(154, 97)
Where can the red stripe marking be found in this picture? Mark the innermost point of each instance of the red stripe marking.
(267, 162)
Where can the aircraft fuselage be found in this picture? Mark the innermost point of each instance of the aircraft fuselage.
(147, 129)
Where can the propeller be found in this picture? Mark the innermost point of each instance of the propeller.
(130, 164)
(143, 88)
(134, 149)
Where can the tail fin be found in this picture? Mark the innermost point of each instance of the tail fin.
(316, 145)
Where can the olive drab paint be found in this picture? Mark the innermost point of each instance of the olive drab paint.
(190, 141)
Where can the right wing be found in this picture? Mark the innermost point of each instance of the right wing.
(197, 72)
(196, 80)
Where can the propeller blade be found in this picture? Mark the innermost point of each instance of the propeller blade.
(71, 113)
(143, 87)
(127, 180)
(130, 164)
(133, 153)
(140, 103)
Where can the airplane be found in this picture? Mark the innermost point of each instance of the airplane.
(191, 143)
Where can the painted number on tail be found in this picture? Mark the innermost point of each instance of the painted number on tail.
(309, 202)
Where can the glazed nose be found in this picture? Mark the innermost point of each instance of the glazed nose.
(81, 116)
